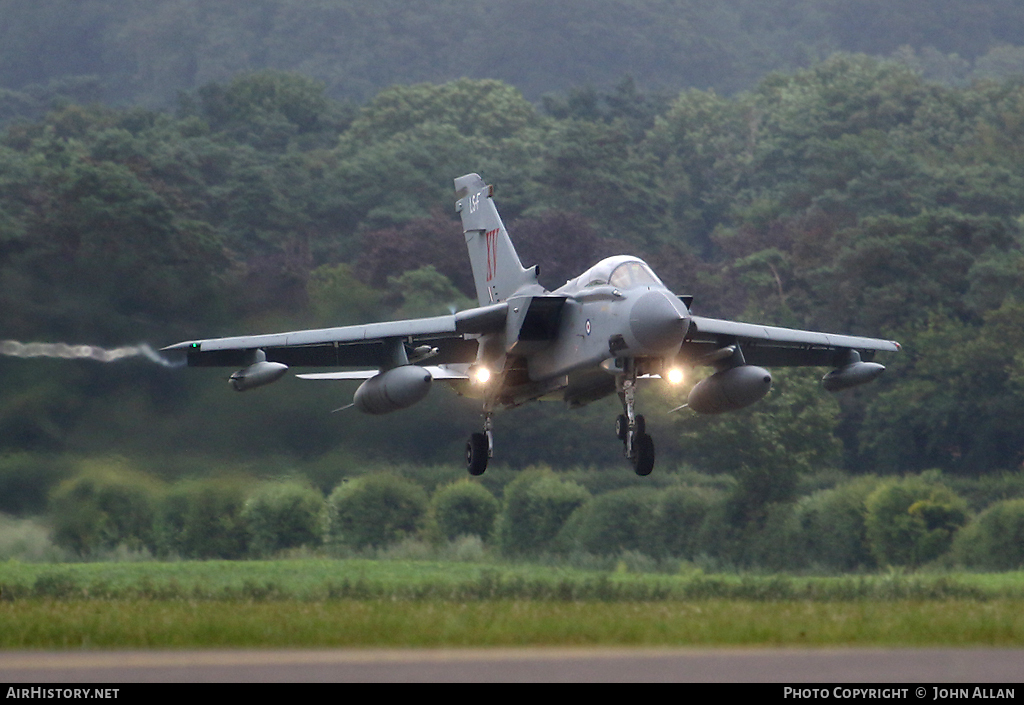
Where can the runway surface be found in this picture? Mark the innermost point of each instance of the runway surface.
(519, 665)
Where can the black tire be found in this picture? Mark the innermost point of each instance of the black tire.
(621, 427)
(476, 454)
(643, 455)
(641, 425)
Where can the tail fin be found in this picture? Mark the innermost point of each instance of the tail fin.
(497, 271)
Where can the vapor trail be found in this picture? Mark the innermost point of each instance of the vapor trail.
(12, 348)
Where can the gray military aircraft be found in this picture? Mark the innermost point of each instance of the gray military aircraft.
(599, 334)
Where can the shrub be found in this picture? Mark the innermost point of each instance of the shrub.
(616, 522)
(203, 519)
(765, 544)
(827, 528)
(465, 508)
(985, 490)
(105, 505)
(995, 539)
(281, 515)
(375, 511)
(912, 521)
(679, 527)
(537, 505)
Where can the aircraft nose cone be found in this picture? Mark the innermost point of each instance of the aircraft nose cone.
(656, 323)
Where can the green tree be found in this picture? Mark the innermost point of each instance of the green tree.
(769, 445)
(465, 508)
(893, 271)
(536, 506)
(617, 521)
(427, 292)
(267, 108)
(828, 527)
(203, 519)
(106, 505)
(912, 521)
(593, 168)
(337, 297)
(994, 540)
(679, 523)
(953, 399)
(398, 158)
(704, 148)
(282, 515)
(479, 108)
(374, 511)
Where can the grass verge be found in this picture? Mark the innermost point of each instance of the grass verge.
(362, 603)
(55, 624)
(318, 580)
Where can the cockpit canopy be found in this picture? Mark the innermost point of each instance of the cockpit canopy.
(622, 272)
(630, 274)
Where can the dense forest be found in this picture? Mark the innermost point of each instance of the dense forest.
(854, 196)
(131, 53)
(141, 201)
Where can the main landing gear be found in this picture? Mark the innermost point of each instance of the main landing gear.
(629, 427)
(480, 448)
(632, 430)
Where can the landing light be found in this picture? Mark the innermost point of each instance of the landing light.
(674, 375)
(481, 375)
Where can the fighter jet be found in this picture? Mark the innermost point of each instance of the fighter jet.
(601, 333)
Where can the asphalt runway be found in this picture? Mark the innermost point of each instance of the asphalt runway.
(518, 665)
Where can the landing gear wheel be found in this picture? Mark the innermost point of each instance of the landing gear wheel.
(621, 427)
(477, 454)
(643, 455)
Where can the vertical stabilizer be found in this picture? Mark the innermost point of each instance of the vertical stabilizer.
(497, 271)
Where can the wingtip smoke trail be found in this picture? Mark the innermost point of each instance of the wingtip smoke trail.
(13, 348)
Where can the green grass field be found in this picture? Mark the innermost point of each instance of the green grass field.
(322, 603)
(325, 579)
(55, 624)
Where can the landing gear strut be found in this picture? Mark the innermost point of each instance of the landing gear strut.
(480, 448)
(631, 428)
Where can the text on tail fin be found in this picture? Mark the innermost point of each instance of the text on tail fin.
(497, 271)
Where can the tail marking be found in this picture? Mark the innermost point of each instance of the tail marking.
(492, 253)
(497, 271)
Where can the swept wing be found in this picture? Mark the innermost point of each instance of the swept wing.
(771, 346)
(451, 339)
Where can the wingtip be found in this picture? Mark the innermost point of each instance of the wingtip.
(180, 346)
